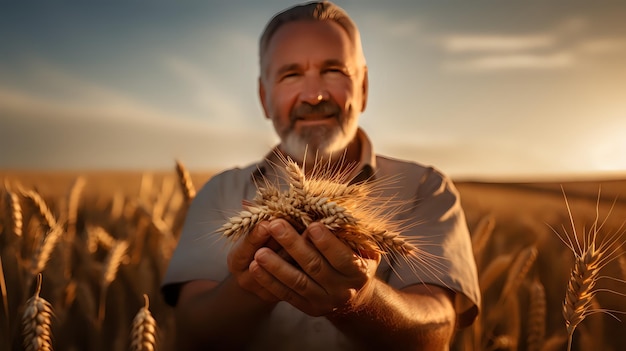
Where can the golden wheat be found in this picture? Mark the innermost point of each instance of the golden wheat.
(481, 236)
(72, 206)
(591, 254)
(494, 270)
(98, 237)
(117, 205)
(186, 184)
(111, 265)
(536, 316)
(359, 218)
(3, 289)
(45, 249)
(144, 329)
(16, 211)
(519, 268)
(36, 322)
(42, 207)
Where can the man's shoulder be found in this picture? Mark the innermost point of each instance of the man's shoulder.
(411, 174)
(389, 164)
(230, 179)
(235, 173)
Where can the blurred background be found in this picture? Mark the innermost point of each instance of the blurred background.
(484, 90)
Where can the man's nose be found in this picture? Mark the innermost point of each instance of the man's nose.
(314, 90)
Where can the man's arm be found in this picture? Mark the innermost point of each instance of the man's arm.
(332, 281)
(212, 315)
(419, 317)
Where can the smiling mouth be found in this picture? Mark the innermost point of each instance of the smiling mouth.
(313, 118)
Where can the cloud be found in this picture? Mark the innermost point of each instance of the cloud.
(567, 44)
(512, 61)
(82, 124)
(603, 46)
(495, 43)
(55, 92)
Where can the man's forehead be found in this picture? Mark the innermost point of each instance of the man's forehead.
(303, 38)
(295, 30)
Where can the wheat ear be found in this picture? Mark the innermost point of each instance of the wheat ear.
(536, 316)
(45, 249)
(481, 236)
(98, 236)
(590, 256)
(3, 289)
(186, 184)
(519, 269)
(144, 329)
(42, 207)
(36, 322)
(117, 205)
(16, 211)
(72, 219)
(358, 217)
(111, 266)
(494, 270)
(72, 206)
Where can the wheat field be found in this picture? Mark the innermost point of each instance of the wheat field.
(82, 255)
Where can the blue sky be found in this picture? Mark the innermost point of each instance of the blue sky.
(482, 89)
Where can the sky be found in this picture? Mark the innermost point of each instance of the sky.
(482, 90)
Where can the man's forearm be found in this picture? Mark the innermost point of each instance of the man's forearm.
(420, 318)
(224, 317)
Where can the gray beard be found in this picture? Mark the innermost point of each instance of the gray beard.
(320, 142)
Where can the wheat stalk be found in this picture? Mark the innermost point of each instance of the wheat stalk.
(144, 329)
(36, 322)
(590, 256)
(186, 184)
(111, 265)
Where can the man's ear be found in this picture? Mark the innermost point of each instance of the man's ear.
(263, 97)
(365, 88)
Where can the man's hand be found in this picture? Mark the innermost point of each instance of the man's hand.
(242, 254)
(331, 276)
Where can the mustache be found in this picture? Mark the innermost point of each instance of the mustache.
(323, 108)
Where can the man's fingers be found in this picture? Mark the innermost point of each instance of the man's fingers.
(243, 250)
(271, 276)
(299, 249)
(337, 253)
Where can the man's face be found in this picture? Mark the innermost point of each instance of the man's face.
(313, 87)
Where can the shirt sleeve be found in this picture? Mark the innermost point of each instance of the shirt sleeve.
(439, 231)
(201, 251)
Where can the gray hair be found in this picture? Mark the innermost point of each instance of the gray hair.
(315, 11)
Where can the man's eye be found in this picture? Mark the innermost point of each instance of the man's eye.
(289, 75)
(334, 70)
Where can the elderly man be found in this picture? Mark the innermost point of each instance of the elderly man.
(278, 289)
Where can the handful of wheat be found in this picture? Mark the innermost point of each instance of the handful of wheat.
(356, 213)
